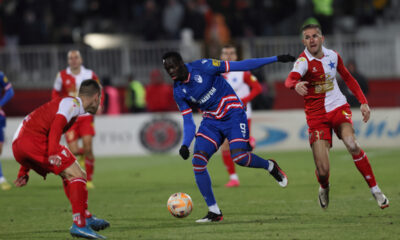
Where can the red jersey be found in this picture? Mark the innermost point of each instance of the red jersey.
(324, 94)
(41, 122)
(67, 84)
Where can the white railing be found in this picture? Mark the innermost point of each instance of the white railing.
(37, 66)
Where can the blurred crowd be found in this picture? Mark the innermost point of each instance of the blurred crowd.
(27, 22)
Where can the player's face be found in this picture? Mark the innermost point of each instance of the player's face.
(93, 104)
(228, 54)
(313, 40)
(175, 69)
(74, 60)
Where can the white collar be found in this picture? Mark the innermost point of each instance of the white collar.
(70, 73)
(311, 57)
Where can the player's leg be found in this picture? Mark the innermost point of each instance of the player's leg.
(238, 135)
(230, 166)
(89, 158)
(3, 182)
(206, 144)
(86, 131)
(74, 181)
(320, 149)
(362, 163)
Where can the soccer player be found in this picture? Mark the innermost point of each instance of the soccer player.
(247, 88)
(36, 146)
(199, 84)
(314, 77)
(8, 94)
(67, 84)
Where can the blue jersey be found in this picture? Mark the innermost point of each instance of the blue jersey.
(206, 89)
(8, 94)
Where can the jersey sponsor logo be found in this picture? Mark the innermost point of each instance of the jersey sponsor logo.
(160, 135)
(76, 102)
(297, 64)
(243, 129)
(216, 63)
(314, 69)
(208, 95)
(325, 85)
(184, 90)
(198, 78)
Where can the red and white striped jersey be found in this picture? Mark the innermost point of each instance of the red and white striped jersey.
(67, 84)
(324, 94)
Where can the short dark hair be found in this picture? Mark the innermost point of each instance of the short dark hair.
(89, 88)
(313, 25)
(174, 55)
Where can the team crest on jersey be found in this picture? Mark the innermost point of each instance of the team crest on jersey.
(5, 79)
(198, 78)
(216, 63)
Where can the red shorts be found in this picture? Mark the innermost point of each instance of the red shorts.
(83, 126)
(31, 151)
(320, 126)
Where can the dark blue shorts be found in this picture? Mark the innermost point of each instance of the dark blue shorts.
(2, 126)
(212, 133)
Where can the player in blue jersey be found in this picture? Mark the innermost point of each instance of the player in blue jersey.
(8, 94)
(199, 84)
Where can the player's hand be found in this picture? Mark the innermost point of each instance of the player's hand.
(55, 160)
(184, 152)
(286, 58)
(301, 88)
(365, 111)
(21, 181)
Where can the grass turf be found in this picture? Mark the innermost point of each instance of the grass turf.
(131, 193)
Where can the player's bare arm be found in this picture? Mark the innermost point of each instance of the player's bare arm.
(365, 111)
(301, 88)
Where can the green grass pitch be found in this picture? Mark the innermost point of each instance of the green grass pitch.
(132, 192)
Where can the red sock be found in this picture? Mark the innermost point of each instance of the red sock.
(89, 166)
(78, 198)
(323, 182)
(229, 164)
(66, 188)
(80, 151)
(363, 165)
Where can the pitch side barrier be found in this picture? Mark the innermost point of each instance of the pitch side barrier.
(143, 134)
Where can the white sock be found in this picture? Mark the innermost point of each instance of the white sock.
(234, 177)
(270, 166)
(375, 189)
(2, 179)
(215, 209)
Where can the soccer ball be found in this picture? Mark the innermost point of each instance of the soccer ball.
(180, 205)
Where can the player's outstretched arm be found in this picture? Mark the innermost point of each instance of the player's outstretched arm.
(254, 63)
